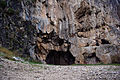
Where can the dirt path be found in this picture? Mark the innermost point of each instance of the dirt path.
(12, 70)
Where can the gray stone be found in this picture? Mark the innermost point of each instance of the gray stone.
(108, 53)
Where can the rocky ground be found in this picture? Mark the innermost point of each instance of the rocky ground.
(12, 70)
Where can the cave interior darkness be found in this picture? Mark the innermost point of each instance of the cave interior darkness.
(60, 58)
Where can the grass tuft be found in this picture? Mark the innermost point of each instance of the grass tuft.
(6, 53)
(34, 62)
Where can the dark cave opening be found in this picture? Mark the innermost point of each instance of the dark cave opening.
(60, 58)
(105, 41)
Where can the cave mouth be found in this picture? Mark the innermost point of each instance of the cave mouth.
(60, 58)
(105, 41)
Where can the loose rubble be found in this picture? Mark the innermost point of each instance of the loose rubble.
(12, 70)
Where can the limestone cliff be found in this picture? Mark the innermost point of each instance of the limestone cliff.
(63, 31)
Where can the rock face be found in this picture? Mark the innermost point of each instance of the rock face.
(108, 53)
(79, 28)
(15, 32)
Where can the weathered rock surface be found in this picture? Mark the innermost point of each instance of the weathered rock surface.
(15, 33)
(81, 27)
(109, 53)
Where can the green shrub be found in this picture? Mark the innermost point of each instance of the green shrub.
(1, 66)
(33, 1)
(3, 4)
(10, 11)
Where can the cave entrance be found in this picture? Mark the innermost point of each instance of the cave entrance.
(60, 58)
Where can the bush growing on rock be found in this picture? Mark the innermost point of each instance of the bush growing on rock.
(3, 4)
(10, 11)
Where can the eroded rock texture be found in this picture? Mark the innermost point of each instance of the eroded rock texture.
(78, 27)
